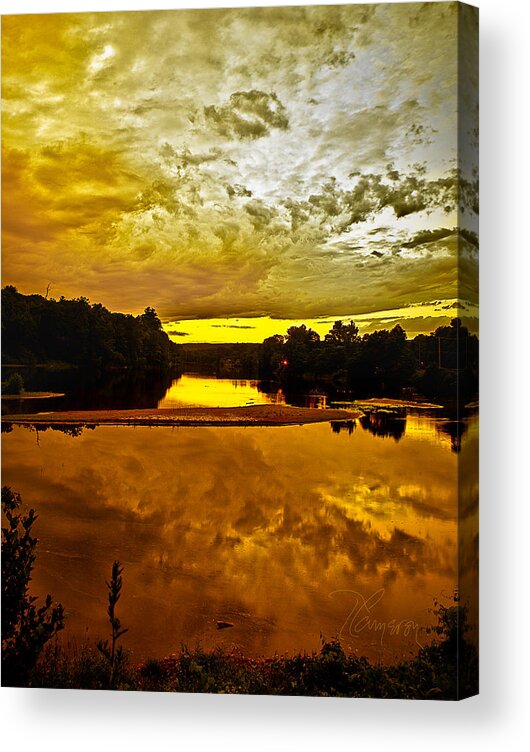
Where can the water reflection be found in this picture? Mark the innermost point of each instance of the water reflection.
(315, 400)
(384, 424)
(192, 390)
(256, 526)
(198, 390)
(347, 426)
(83, 390)
(119, 390)
(455, 429)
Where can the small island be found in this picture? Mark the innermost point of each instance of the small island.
(253, 415)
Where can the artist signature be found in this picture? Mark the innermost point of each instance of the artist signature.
(361, 619)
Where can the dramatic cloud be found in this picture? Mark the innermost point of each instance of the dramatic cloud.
(248, 114)
(290, 162)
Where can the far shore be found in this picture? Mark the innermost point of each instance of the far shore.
(252, 415)
(32, 395)
(381, 403)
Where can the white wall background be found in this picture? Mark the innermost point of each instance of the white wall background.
(499, 717)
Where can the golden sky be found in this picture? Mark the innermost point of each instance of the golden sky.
(295, 163)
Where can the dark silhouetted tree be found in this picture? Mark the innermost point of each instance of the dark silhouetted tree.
(343, 334)
(40, 330)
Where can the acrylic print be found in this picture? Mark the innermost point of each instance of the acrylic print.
(240, 351)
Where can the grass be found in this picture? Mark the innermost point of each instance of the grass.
(433, 674)
(34, 656)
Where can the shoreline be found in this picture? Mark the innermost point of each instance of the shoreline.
(252, 415)
(32, 395)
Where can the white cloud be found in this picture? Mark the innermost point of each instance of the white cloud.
(231, 162)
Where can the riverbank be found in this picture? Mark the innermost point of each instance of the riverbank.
(253, 415)
(32, 395)
(388, 403)
(445, 669)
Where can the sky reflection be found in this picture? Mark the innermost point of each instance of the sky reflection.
(257, 526)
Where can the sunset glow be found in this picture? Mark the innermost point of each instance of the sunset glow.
(237, 164)
(240, 351)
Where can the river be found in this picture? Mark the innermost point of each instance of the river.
(287, 533)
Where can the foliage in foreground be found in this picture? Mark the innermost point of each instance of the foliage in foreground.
(113, 654)
(26, 628)
(446, 669)
(432, 674)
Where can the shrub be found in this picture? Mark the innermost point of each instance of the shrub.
(26, 628)
(14, 384)
(114, 655)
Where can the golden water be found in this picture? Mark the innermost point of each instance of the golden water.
(285, 532)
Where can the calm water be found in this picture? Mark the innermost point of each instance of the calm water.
(202, 391)
(120, 390)
(191, 390)
(286, 532)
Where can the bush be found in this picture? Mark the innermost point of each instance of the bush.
(447, 669)
(115, 656)
(26, 628)
(14, 384)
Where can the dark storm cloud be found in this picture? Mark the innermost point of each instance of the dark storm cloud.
(371, 193)
(431, 236)
(238, 190)
(412, 325)
(428, 236)
(260, 213)
(458, 305)
(248, 114)
(238, 162)
(185, 158)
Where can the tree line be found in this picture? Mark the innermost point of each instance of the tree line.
(38, 330)
(383, 362)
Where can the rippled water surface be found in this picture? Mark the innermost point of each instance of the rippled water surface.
(286, 532)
